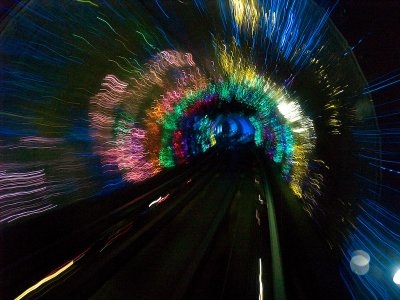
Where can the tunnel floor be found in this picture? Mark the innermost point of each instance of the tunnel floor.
(202, 232)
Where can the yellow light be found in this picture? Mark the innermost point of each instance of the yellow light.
(89, 2)
(44, 280)
(245, 13)
(213, 140)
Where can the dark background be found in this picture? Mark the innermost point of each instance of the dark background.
(373, 28)
(377, 23)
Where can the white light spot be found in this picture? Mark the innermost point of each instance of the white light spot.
(359, 262)
(290, 110)
(396, 277)
(261, 295)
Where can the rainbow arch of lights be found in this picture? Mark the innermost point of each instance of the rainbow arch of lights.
(141, 145)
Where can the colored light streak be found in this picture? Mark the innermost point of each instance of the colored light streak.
(23, 194)
(245, 14)
(383, 82)
(159, 200)
(46, 279)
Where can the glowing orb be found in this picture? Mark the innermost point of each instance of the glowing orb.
(396, 277)
(359, 262)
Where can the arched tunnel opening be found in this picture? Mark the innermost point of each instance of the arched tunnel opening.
(193, 149)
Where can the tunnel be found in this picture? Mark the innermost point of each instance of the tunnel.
(199, 149)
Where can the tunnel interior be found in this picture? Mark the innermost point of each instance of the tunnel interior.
(192, 149)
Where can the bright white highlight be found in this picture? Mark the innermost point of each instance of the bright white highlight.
(396, 277)
(261, 296)
(290, 110)
(359, 262)
(159, 200)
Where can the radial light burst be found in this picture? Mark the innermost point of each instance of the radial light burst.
(98, 95)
